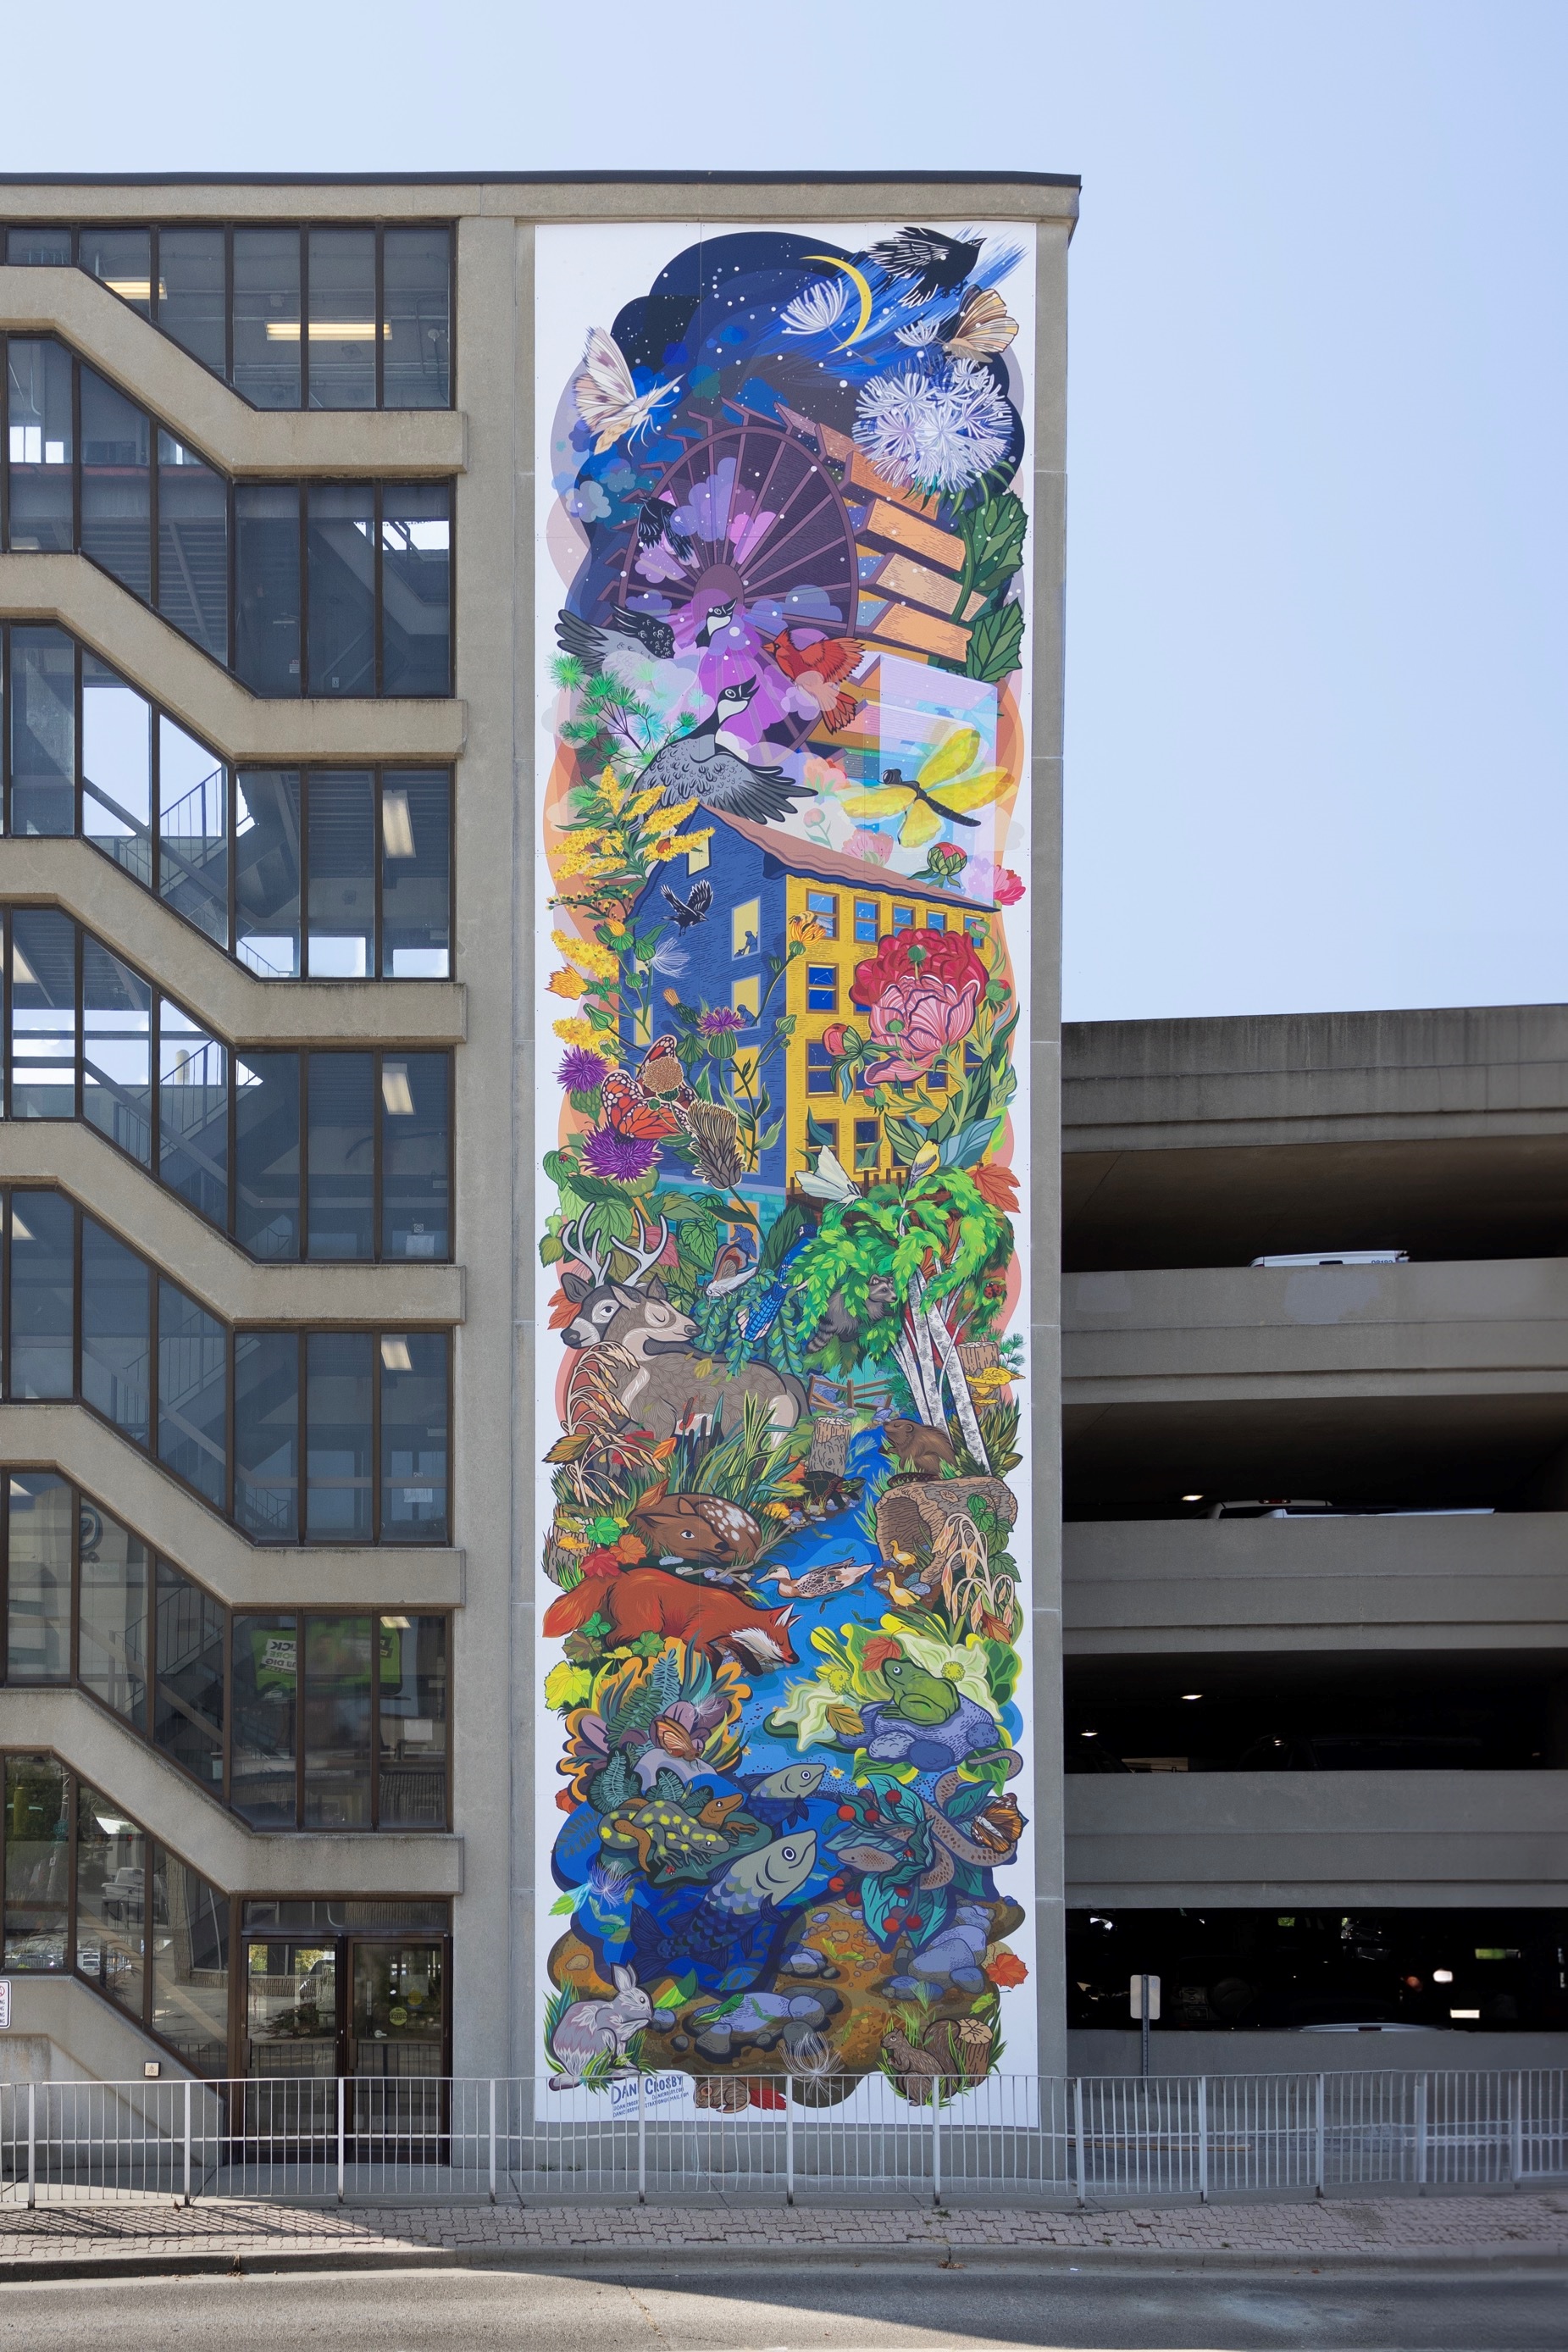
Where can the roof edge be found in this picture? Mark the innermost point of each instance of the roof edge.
(537, 179)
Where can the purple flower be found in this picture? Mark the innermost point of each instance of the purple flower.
(618, 1159)
(720, 1020)
(581, 1070)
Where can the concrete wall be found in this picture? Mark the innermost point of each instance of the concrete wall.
(1099, 2052)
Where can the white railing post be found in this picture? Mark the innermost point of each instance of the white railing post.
(32, 2146)
(492, 2139)
(1516, 2129)
(789, 2147)
(340, 2106)
(1077, 2135)
(1203, 2139)
(1320, 2157)
(641, 2146)
(1421, 2085)
(187, 2195)
(936, 2142)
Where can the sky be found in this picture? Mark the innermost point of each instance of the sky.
(1317, 690)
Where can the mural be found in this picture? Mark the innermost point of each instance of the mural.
(783, 941)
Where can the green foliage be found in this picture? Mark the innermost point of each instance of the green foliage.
(993, 538)
(995, 642)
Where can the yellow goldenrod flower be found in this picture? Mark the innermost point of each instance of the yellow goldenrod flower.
(612, 792)
(591, 955)
(574, 1030)
(567, 983)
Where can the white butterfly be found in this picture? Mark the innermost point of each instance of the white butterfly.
(607, 400)
(829, 1182)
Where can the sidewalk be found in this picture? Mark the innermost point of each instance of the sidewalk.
(152, 2238)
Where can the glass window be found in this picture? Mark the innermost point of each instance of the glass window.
(822, 988)
(746, 997)
(340, 553)
(342, 325)
(343, 874)
(43, 1014)
(43, 1337)
(819, 1070)
(36, 246)
(117, 1050)
(117, 769)
(416, 1156)
(975, 927)
(266, 871)
(192, 1388)
(192, 831)
(413, 1437)
(266, 347)
(43, 732)
(745, 926)
(116, 484)
(416, 277)
(190, 1955)
(868, 1142)
(188, 1694)
(266, 1435)
(337, 1436)
(121, 259)
(37, 1862)
(865, 921)
(822, 907)
(337, 1723)
(193, 1113)
(266, 1680)
(267, 1154)
(416, 588)
(266, 586)
(116, 1310)
(193, 547)
(413, 1723)
(111, 1897)
(936, 1079)
(904, 919)
(43, 1518)
(340, 1156)
(192, 301)
(42, 445)
(936, 921)
(416, 875)
(116, 1574)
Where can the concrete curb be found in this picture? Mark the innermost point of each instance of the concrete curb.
(673, 2261)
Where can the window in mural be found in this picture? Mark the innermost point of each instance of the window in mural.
(784, 1508)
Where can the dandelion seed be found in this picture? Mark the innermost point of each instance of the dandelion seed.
(816, 309)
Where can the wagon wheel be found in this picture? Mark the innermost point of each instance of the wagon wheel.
(779, 521)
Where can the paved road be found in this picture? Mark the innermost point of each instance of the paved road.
(863, 2311)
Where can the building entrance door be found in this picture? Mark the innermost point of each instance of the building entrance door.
(397, 2049)
(292, 2037)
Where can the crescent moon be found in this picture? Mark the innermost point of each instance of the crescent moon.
(857, 279)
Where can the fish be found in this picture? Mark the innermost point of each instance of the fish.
(829, 1576)
(767, 1877)
(794, 1780)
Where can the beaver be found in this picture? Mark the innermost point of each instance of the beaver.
(925, 1451)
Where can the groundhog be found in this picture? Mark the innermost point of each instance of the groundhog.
(925, 1451)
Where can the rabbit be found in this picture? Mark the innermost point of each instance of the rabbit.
(590, 2027)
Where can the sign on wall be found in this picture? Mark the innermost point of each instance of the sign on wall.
(783, 953)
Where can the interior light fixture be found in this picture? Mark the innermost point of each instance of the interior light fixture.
(397, 825)
(399, 1624)
(394, 1089)
(1192, 1498)
(1442, 1976)
(1192, 1694)
(1089, 1735)
(395, 1355)
(328, 330)
(135, 289)
(1466, 2016)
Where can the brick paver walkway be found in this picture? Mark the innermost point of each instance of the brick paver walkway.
(150, 2233)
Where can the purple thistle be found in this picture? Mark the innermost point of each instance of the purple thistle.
(618, 1159)
(581, 1070)
(720, 1020)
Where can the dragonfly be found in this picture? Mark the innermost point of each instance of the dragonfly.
(940, 794)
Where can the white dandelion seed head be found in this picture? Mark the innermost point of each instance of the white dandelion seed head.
(934, 432)
(918, 334)
(816, 309)
(670, 959)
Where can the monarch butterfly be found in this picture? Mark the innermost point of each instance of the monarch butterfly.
(631, 1104)
(939, 794)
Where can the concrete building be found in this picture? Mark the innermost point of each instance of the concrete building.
(273, 788)
(1315, 1600)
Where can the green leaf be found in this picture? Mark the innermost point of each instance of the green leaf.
(563, 1906)
(995, 642)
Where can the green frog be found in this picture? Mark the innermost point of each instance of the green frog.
(918, 1696)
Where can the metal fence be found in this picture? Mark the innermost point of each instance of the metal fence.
(1107, 2138)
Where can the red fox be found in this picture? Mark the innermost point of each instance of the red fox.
(647, 1601)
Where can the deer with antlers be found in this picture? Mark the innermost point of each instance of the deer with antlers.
(662, 1385)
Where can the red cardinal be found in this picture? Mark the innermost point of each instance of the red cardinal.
(819, 670)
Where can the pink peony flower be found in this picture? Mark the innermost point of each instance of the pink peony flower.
(921, 991)
(1007, 888)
